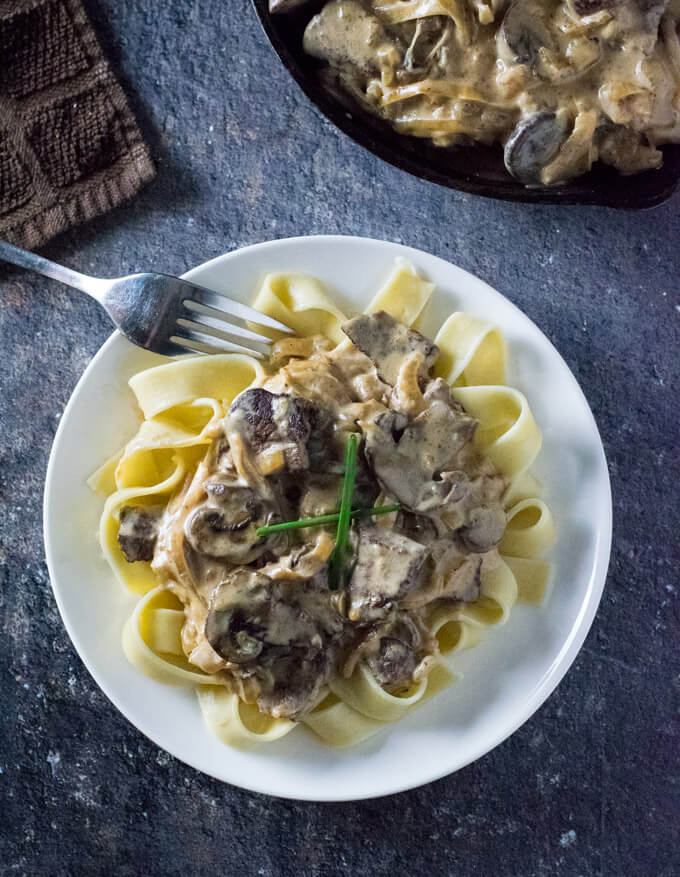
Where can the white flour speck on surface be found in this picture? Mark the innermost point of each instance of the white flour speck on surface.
(53, 759)
(568, 838)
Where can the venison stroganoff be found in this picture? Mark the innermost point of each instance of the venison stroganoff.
(314, 537)
(559, 83)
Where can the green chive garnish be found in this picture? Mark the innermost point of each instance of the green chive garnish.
(320, 520)
(338, 563)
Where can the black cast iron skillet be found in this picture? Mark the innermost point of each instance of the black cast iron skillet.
(476, 169)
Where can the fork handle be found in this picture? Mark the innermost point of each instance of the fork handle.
(91, 285)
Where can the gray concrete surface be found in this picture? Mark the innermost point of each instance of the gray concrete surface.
(588, 786)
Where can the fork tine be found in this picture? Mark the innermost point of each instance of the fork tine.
(222, 304)
(198, 342)
(203, 321)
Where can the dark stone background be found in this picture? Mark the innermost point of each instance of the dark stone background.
(588, 786)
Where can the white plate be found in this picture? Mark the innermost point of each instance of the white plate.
(506, 678)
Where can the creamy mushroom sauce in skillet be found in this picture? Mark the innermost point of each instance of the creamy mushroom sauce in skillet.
(266, 612)
(559, 83)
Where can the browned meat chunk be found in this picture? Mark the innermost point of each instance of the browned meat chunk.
(265, 420)
(406, 458)
(394, 663)
(297, 427)
(138, 530)
(297, 680)
(388, 565)
(388, 343)
(465, 583)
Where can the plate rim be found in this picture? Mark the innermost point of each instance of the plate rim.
(552, 677)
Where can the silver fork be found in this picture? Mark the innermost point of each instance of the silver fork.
(162, 313)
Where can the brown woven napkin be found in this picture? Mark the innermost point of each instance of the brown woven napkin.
(70, 148)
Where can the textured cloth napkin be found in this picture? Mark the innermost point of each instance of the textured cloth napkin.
(70, 148)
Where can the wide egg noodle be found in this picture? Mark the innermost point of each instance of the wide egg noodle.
(530, 529)
(453, 634)
(236, 723)
(532, 576)
(507, 433)
(364, 693)
(152, 640)
(404, 294)
(523, 486)
(338, 724)
(220, 377)
(410, 10)
(471, 352)
(186, 429)
(301, 302)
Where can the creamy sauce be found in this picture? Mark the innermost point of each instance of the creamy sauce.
(260, 611)
(560, 83)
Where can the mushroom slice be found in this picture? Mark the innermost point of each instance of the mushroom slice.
(388, 566)
(138, 530)
(532, 145)
(523, 34)
(406, 457)
(231, 627)
(225, 526)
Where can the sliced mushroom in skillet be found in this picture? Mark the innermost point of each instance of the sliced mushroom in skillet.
(523, 33)
(532, 145)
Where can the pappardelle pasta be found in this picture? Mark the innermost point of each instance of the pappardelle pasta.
(314, 539)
